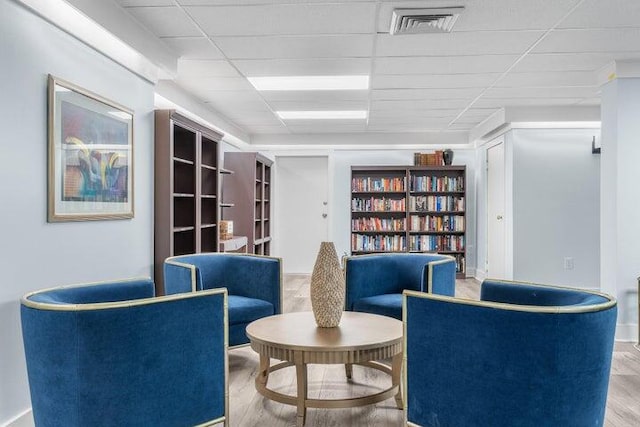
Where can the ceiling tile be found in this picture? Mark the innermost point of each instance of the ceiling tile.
(188, 68)
(133, 3)
(304, 67)
(286, 19)
(596, 40)
(524, 102)
(542, 92)
(266, 129)
(215, 83)
(165, 21)
(312, 105)
(257, 121)
(482, 15)
(568, 61)
(296, 47)
(418, 104)
(254, 2)
(443, 64)
(433, 81)
(440, 93)
(473, 43)
(413, 114)
(193, 47)
(548, 78)
(604, 14)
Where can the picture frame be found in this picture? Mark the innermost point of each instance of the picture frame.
(90, 155)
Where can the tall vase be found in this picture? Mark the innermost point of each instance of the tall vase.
(327, 287)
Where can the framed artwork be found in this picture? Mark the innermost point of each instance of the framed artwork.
(90, 159)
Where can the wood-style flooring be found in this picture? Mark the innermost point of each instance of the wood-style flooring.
(248, 408)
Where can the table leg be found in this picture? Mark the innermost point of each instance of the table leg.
(263, 373)
(348, 370)
(396, 371)
(301, 378)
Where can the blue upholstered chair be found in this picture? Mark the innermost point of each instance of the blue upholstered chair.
(374, 283)
(525, 355)
(112, 354)
(254, 283)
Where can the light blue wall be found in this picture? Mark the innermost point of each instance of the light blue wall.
(33, 253)
(556, 206)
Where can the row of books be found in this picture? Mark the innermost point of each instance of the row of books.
(373, 204)
(364, 243)
(379, 224)
(437, 223)
(436, 203)
(378, 184)
(436, 183)
(436, 243)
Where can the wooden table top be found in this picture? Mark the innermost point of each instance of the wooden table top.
(298, 331)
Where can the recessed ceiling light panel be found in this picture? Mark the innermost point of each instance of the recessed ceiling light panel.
(359, 82)
(320, 115)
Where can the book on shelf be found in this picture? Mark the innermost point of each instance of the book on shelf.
(436, 183)
(428, 159)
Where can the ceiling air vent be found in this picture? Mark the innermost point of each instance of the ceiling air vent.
(425, 20)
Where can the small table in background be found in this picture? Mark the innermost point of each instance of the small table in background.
(294, 338)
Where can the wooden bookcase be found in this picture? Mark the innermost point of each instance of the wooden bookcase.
(248, 191)
(186, 189)
(409, 209)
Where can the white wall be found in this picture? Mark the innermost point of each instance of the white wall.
(620, 207)
(340, 182)
(556, 206)
(33, 253)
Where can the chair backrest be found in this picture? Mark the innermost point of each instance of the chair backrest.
(253, 276)
(367, 275)
(506, 364)
(107, 354)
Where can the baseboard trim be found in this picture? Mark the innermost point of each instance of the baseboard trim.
(627, 332)
(480, 275)
(23, 419)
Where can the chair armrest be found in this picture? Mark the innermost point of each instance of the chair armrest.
(441, 277)
(179, 277)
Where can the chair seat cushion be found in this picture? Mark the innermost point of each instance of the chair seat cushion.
(386, 305)
(245, 310)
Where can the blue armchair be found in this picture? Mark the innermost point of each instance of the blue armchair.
(374, 283)
(254, 284)
(524, 355)
(112, 354)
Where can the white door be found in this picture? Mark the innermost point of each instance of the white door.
(496, 237)
(301, 209)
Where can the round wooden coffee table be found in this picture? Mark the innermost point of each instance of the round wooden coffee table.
(294, 338)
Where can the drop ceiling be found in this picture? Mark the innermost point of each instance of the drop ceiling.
(500, 53)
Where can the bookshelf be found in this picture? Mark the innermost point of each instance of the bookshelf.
(186, 189)
(249, 191)
(409, 209)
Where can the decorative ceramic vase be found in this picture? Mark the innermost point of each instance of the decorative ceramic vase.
(447, 156)
(327, 287)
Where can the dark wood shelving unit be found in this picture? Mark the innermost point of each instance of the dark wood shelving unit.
(409, 209)
(186, 189)
(248, 190)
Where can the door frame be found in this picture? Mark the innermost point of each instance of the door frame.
(508, 205)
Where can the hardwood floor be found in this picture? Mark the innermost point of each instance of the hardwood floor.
(248, 408)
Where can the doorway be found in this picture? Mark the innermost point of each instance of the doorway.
(301, 210)
(496, 236)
